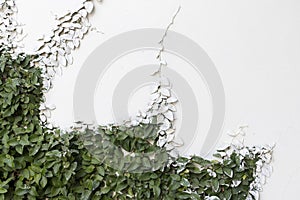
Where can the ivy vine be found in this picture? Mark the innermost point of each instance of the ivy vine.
(38, 161)
(41, 163)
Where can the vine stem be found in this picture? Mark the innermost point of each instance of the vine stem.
(162, 45)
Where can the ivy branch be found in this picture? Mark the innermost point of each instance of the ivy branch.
(162, 45)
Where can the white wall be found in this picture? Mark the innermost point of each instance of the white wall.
(253, 43)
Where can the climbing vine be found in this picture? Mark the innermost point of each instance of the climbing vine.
(38, 161)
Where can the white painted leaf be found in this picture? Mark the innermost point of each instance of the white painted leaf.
(143, 114)
(79, 34)
(159, 99)
(46, 61)
(153, 113)
(61, 51)
(43, 107)
(170, 131)
(85, 22)
(155, 106)
(154, 89)
(67, 37)
(43, 118)
(10, 3)
(76, 25)
(166, 92)
(51, 107)
(59, 31)
(233, 133)
(53, 59)
(47, 39)
(49, 126)
(19, 30)
(178, 142)
(76, 43)
(262, 180)
(62, 61)
(89, 6)
(51, 44)
(169, 115)
(71, 45)
(68, 50)
(161, 142)
(160, 118)
(170, 137)
(163, 108)
(47, 113)
(266, 171)
(244, 152)
(76, 17)
(268, 158)
(172, 107)
(56, 38)
(163, 62)
(71, 33)
(83, 12)
(255, 194)
(85, 29)
(166, 125)
(46, 49)
(154, 96)
(172, 100)
(169, 147)
(69, 59)
(66, 25)
(134, 122)
(146, 121)
(65, 18)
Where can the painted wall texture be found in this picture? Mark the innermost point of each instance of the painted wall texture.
(253, 44)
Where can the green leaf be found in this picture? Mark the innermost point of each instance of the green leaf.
(174, 185)
(34, 150)
(101, 170)
(85, 195)
(21, 192)
(215, 185)
(25, 173)
(156, 191)
(24, 140)
(121, 186)
(105, 190)
(37, 162)
(73, 166)
(89, 169)
(37, 178)
(19, 149)
(3, 190)
(43, 182)
(68, 174)
(33, 191)
(184, 182)
(228, 172)
(54, 191)
(56, 167)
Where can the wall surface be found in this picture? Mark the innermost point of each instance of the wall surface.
(254, 45)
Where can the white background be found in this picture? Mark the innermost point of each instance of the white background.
(253, 43)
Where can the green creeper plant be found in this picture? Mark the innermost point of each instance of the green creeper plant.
(37, 162)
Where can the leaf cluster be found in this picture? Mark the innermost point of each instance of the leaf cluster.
(41, 163)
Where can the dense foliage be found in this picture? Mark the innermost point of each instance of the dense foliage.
(41, 163)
